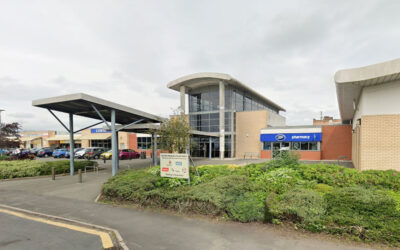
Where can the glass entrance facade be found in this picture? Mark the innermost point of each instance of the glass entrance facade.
(204, 115)
(200, 146)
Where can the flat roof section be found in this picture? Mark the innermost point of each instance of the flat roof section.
(289, 130)
(349, 83)
(209, 78)
(81, 104)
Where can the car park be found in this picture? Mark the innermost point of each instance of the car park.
(45, 152)
(60, 153)
(128, 154)
(106, 155)
(75, 150)
(34, 151)
(94, 152)
(81, 153)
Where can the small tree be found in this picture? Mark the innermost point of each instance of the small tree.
(174, 134)
(9, 135)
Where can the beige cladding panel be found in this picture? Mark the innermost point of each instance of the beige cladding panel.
(123, 140)
(248, 128)
(355, 156)
(85, 143)
(380, 142)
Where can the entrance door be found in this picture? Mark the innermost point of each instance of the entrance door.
(276, 146)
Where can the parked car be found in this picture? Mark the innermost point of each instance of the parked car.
(106, 155)
(60, 153)
(94, 153)
(128, 154)
(45, 152)
(81, 153)
(34, 151)
(9, 151)
(75, 150)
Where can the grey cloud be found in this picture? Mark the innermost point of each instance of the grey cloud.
(21, 115)
(128, 52)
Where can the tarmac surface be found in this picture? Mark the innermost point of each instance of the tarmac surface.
(26, 234)
(144, 229)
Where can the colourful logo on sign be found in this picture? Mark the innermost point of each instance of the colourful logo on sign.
(280, 137)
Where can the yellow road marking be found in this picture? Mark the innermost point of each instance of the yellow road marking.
(105, 237)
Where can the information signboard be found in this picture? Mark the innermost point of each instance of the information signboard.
(174, 165)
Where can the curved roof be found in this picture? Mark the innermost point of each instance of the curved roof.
(349, 83)
(210, 78)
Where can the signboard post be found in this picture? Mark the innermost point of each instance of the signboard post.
(175, 166)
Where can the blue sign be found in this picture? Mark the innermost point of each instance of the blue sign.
(99, 130)
(280, 137)
(292, 137)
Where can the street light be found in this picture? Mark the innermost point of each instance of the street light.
(0, 114)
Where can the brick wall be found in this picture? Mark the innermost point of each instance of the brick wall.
(336, 141)
(132, 142)
(310, 155)
(380, 142)
(265, 154)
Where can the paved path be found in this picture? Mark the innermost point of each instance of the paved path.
(148, 230)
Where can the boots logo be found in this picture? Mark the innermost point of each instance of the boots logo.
(280, 137)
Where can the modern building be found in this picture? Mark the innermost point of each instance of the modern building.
(225, 115)
(369, 100)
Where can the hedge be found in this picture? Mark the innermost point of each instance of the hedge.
(28, 168)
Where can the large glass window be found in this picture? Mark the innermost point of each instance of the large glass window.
(144, 142)
(313, 145)
(266, 145)
(204, 99)
(101, 143)
(247, 103)
(295, 146)
(238, 101)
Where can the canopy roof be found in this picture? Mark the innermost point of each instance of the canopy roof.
(349, 83)
(81, 104)
(208, 78)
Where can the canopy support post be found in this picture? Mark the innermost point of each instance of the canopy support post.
(155, 160)
(114, 144)
(71, 144)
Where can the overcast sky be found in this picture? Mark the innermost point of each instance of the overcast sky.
(127, 51)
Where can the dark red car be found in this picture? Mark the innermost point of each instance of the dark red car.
(128, 154)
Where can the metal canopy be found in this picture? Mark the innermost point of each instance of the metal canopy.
(144, 128)
(81, 104)
(95, 108)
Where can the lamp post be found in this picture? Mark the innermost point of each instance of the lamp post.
(1, 110)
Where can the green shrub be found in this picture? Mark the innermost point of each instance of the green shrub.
(277, 180)
(219, 192)
(317, 197)
(370, 211)
(298, 205)
(248, 207)
(323, 188)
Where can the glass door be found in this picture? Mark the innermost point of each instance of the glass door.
(276, 146)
